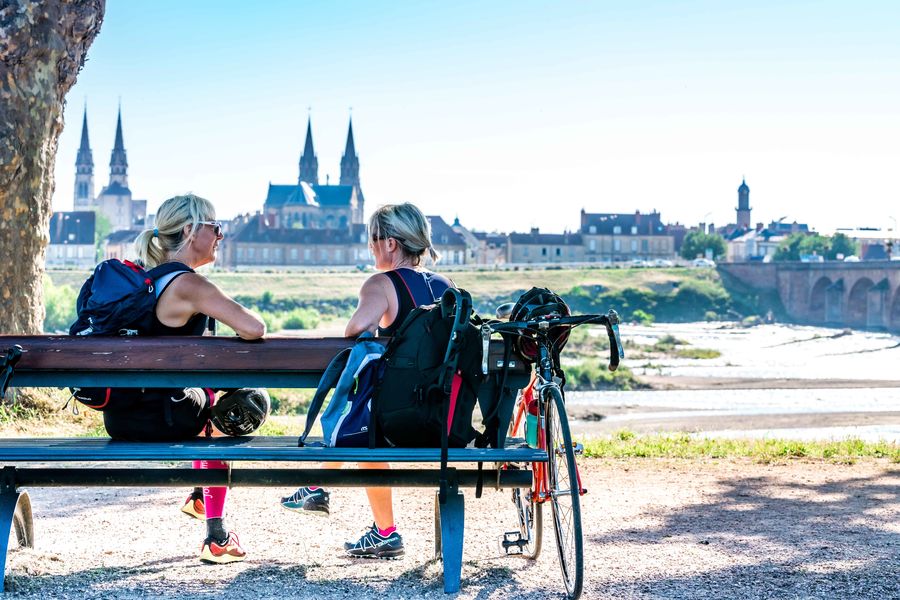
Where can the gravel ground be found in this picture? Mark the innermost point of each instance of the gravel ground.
(653, 529)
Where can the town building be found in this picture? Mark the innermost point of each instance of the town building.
(612, 237)
(535, 247)
(449, 243)
(72, 240)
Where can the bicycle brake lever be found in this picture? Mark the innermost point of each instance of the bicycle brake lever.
(616, 351)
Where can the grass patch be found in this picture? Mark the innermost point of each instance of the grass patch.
(591, 375)
(698, 353)
(627, 444)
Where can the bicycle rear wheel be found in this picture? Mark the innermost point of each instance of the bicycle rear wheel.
(564, 492)
(528, 512)
(531, 522)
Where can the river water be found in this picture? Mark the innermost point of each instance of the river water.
(816, 410)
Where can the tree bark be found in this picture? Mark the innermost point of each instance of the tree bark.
(43, 44)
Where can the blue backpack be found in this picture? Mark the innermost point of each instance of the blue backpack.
(119, 298)
(353, 374)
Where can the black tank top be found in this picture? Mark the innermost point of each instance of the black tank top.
(413, 288)
(196, 325)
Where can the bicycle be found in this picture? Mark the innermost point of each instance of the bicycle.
(558, 480)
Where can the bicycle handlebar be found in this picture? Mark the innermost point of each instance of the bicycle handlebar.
(610, 320)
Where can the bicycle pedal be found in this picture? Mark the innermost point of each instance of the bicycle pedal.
(512, 543)
(578, 449)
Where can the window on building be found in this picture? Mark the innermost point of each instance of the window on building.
(645, 245)
(559, 251)
(634, 245)
(592, 229)
(265, 254)
(240, 253)
(617, 229)
(617, 245)
(251, 253)
(307, 254)
(543, 252)
(294, 254)
(278, 254)
(525, 251)
(592, 245)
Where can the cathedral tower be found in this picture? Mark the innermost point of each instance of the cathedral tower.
(84, 170)
(309, 164)
(118, 162)
(350, 170)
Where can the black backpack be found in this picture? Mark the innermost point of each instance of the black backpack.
(119, 298)
(431, 372)
(430, 377)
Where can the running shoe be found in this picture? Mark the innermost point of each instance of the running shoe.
(228, 552)
(305, 500)
(193, 507)
(374, 545)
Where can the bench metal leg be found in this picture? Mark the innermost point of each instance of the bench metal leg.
(15, 511)
(449, 523)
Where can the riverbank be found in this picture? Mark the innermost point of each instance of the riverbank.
(652, 529)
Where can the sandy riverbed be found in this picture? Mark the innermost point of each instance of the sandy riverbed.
(653, 529)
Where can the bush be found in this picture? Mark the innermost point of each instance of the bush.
(272, 321)
(642, 317)
(301, 318)
(59, 307)
(591, 376)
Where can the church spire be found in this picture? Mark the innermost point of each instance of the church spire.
(350, 174)
(118, 161)
(84, 169)
(309, 164)
(350, 161)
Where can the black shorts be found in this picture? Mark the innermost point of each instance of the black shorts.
(159, 415)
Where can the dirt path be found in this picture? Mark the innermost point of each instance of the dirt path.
(653, 529)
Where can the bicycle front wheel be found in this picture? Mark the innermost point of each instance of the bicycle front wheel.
(564, 492)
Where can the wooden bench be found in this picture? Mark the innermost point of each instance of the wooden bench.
(60, 361)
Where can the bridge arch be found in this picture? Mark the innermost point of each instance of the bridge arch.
(818, 300)
(858, 303)
(895, 311)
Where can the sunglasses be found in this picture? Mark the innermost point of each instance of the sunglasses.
(217, 226)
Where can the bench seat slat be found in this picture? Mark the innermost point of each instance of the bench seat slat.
(257, 448)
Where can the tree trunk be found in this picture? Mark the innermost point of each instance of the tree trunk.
(43, 44)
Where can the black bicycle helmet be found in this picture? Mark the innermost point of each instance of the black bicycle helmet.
(536, 303)
(241, 412)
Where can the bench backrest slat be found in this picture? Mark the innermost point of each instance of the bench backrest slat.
(181, 354)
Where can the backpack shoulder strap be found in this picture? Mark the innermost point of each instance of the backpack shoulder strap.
(329, 379)
(162, 275)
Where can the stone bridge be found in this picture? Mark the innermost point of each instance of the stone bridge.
(863, 294)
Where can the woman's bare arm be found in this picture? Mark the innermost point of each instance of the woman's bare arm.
(190, 294)
(373, 304)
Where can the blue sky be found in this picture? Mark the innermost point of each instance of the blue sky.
(509, 115)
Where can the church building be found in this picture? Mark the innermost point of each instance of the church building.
(114, 201)
(311, 205)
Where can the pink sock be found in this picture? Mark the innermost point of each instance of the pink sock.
(213, 497)
(388, 531)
